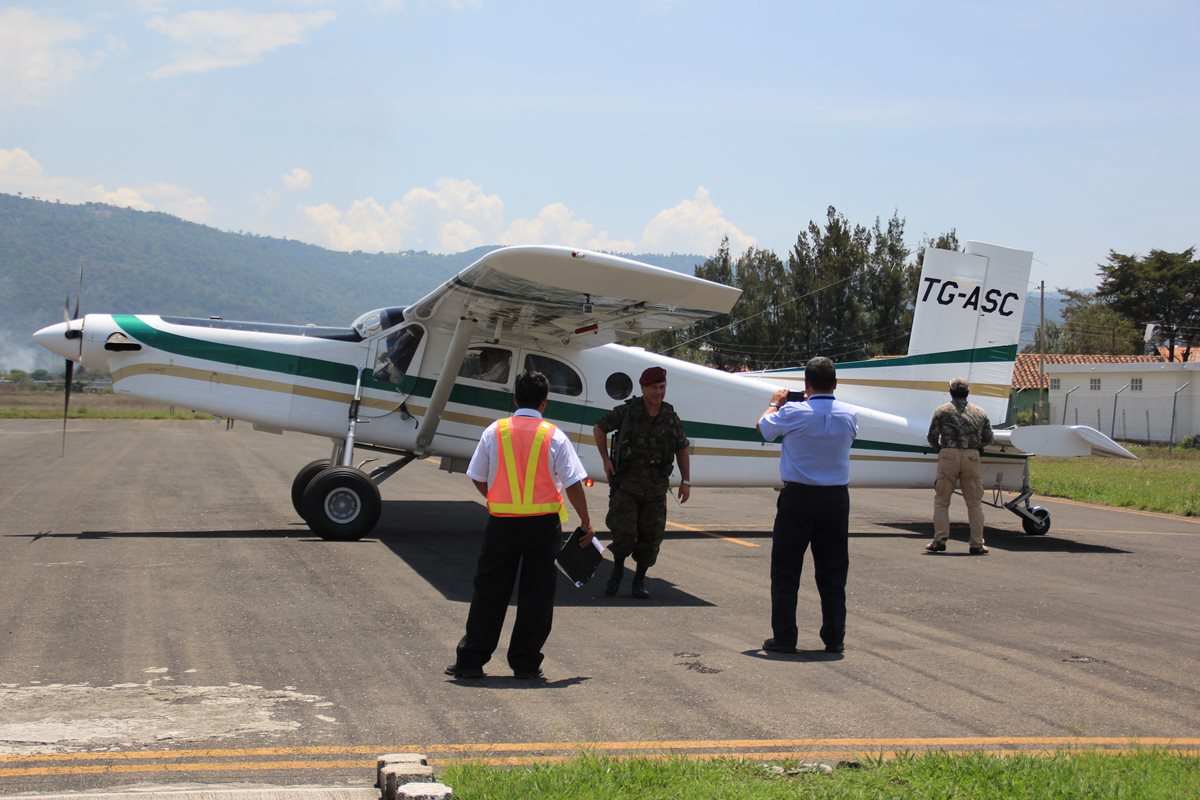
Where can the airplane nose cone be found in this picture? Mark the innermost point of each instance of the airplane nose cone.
(54, 338)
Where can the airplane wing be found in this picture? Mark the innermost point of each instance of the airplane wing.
(1062, 440)
(565, 296)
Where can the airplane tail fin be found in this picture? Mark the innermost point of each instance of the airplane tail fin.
(967, 319)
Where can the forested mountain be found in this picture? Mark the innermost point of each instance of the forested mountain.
(140, 262)
(144, 262)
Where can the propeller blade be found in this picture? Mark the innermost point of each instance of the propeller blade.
(70, 373)
(78, 292)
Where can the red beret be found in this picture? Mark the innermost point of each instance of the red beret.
(653, 375)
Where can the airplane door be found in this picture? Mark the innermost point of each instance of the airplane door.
(393, 359)
(567, 395)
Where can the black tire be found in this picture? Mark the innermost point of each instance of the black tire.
(1040, 527)
(341, 504)
(303, 478)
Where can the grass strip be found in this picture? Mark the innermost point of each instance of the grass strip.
(1158, 481)
(1146, 775)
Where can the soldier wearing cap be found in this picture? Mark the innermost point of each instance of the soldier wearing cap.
(649, 440)
(958, 432)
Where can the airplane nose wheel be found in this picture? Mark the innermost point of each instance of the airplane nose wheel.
(341, 503)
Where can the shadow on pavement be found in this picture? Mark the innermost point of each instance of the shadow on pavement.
(996, 538)
(440, 541)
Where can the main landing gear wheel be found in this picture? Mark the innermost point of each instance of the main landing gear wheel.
(1039, 527)
(303, 478)
(342, 504)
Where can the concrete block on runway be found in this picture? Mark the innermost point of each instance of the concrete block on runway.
(388, 759)
(394, 776)
(425, 791)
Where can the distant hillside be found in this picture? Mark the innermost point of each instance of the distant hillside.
(1055, 303)
(144, 262)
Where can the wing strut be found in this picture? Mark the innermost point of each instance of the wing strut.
(463, 332)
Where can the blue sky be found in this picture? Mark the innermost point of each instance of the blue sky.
(1065, 128)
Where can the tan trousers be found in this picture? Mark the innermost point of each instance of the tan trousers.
(957, 467)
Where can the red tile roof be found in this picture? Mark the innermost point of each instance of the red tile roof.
(1026, 372)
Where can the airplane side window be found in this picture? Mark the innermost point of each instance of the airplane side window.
(397, 355)
(619, 386)
(562, 378)
(486, 364)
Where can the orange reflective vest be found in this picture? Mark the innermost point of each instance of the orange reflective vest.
(524, 486)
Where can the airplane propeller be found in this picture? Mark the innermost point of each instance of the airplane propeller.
(72, 332)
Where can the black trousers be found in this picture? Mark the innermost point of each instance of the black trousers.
(818, 516)
(516, 551)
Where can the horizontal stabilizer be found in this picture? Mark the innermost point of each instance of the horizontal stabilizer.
(1062, 440)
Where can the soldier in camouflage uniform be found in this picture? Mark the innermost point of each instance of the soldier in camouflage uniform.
(958, 432)
(649, 439)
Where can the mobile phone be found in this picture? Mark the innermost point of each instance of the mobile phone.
(796, 397)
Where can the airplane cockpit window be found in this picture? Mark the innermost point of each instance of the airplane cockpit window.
(562, 378)
(489, 364)
(395, 357)
(619, 386)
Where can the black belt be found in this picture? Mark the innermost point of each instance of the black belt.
(799, 485)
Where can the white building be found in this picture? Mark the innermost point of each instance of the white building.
(1132, 402)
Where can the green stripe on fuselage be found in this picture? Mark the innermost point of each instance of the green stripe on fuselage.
(497, 400)
(999, 353)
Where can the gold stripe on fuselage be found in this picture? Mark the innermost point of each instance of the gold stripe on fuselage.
(462, 418)
(938, 387)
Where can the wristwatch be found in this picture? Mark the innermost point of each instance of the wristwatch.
(685, 483)
(772, 405)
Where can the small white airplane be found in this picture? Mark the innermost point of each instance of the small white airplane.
(424, 380)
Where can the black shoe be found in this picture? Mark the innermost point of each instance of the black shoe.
(978, 550)
(835, 648)
(529, 674)
(614, 579)
(935, 547)
(772, 646)
(638, 590)
(455, 671)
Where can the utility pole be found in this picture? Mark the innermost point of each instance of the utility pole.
(1043, 412)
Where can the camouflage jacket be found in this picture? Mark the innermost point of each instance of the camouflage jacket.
(959, 424)
(643, 451)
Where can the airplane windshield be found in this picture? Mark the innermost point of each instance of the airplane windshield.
(396, 355)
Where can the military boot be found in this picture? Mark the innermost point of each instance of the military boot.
(638, 589)
(614, 577)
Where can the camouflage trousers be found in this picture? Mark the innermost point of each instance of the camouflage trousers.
(637, 522)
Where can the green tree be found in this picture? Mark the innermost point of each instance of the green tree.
(1163, 288)
(826, 267)
(890, 289)
(1092, 326)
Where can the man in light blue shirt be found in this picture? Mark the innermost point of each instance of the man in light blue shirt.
(814, 505)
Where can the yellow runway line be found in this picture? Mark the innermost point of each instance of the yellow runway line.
(188, 766)
(691, 529)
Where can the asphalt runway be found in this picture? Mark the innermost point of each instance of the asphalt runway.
(167, 618)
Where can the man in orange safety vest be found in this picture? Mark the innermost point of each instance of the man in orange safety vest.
(523, 465)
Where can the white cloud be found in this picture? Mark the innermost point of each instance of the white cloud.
(20, 173)
(297, 179)
(38, 54)
(458, 215)
(212, 40)
(693, 226)
(555, 224)
(455, 216)
(18, 163)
